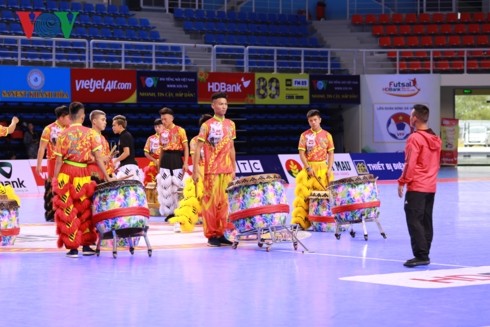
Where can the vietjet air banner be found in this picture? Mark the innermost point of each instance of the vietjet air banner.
(240, 87)
(386, 103)
(103, 85)
(282, 88)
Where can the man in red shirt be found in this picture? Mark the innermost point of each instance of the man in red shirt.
(47, 144)
(422, 155)
(174, 155)
(216, 137)
(316, 151)
(72, 184)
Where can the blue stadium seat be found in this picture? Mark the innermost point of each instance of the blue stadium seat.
(119, 34)
(100, 9)
(121, 22)
(133, 23)
(88, 8)
(108, 21)
(124, 11)
(210, 15)
(15, 29)
(38, 5)
(26, 5)
(84, 20)
(8, 15)
(97, 20)
(64, 5)
(144, 35)
(188, 14)
(155, 36)
(179, 14)
(13, 4)
(106, 33)
(112, 10)
(200, 14)
(76, 6)
(93, 33)
(145, 24)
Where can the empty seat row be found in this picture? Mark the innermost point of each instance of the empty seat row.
(437, 54)
(438, 41)
(113, 22)
(238, 17)
(274, 41)
(244, 28)
(445, 66)
(422, 18)
(86, 7)
(432, 29)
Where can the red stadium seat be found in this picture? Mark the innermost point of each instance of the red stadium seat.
(418, 29)
(405, 29)
(396, 18)
(413, 41)
(426, 41)
(402, 66)
(357, 19)
(451, 18)
(446, 29)
(384, 42)
(420, 54)
(473, 29)
(457, 66)
(479, 17)
(391, 55)
(468, 41)
(391, 29)
(460, 29)
(398, 42)
(472, 65)
(485, 29)
(482, 41)
(454, 41)
(406, 55)
(410, 18)
(437, 18)
(378, 30)
(466, 17)
(440, 41)
(384, 19)
(424, 18)
(485, 65)
(370, 19)
(477, 54)
(432, 29)
(441, 66)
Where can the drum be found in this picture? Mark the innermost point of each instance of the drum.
(9, 221)
(319, 212)
(152, 198)
(120, 206)
(257, 201)
(354, 199)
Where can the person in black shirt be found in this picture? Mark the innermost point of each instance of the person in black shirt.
(126, 160)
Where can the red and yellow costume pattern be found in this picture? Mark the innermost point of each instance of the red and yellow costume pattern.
(105, 152)
(4, 131)
(152, 147)
(316, 146)
(217, 135)
(73, 187)
(50, 134)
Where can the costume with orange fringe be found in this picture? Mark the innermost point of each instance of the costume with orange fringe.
(50, 135)
(316, 146)
(105, 152)
(152, 147)
(73, 187)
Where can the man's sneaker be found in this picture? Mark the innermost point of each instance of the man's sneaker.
(416, 262)
(72, 253)
(224, 241)
(177, 228)
(87, 251)
(214, 242)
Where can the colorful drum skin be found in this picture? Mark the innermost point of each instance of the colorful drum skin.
(319, 212)
(124, 205)
(257, 201)
(9, 221)
(354, 198)
(152, 198)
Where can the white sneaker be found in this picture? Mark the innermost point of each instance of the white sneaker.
(177, 228)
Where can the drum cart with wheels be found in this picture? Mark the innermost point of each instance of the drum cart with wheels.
(270, 235)
(128, 234)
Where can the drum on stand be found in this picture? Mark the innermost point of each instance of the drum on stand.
(9, 221)
(152, 198)
(319, 212)
(120, 213)
(355, 200)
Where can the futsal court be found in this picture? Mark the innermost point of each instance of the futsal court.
(328, 282)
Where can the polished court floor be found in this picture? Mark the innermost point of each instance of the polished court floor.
(346, 282)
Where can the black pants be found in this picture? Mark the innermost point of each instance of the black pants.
(418, 211)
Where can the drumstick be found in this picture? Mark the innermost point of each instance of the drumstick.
(112, 150)
(323, 187)
(122, 178)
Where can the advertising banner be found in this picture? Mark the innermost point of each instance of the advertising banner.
(342, 89)
(34, 84)
(392, 122)
(240, 87)
(167, 87)
(282, 88)
(385, 166)
(256, 165)
(343, 166)
(449, 137)
(103, 85)
(18, 174)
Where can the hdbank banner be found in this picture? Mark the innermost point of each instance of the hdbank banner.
(103, 85)
(34, 84)
(282, 88)
(381, 165)
(167, 87)
(240, 87)
(335, 89)
(18, 174)
(343, 166)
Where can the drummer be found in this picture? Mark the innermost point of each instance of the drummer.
(127, 166)
(98, 119)
(316, 151)
(72, 185)
(216, 137)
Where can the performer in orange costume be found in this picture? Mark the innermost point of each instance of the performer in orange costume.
(216, 137)
(98, 119)
(316, 153)
(152, 153)
(6, 130)
(72, 185)
(48, 142)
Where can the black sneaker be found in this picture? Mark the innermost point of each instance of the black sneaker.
(87, 251)
(416, 262)
(224, 241)
(72, 253)
(214, 242)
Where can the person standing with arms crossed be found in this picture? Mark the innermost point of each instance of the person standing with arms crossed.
(126, 160)
(316, 153)
(72, 184)
(422, 163)
(216, 137)
(46, 145)
(173, 146)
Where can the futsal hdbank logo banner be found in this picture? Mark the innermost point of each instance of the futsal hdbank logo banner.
(240, 87)
(103, 85)
(34, 84)
(18, 174)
